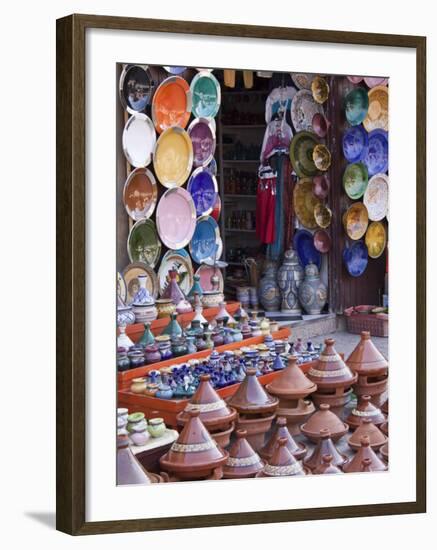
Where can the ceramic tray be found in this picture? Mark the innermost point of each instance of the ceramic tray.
(143, 244)
(303, 109)
(140, 193)
(355, 142)
(135, 88)
(176, 218)
(305, 202)
(205, 90)
(202, 135)
(303, 243)
(130, 275)
(171, 105)
(376, 197)
(355, 258)
(376, 159)
(138, 140)
(205, 242)
(203, 188)
(173, 157)
(180, 263)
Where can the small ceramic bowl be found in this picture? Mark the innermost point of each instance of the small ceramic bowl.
(321, 185)
(322, 241)
(320, 125)
(321, 157)
(319, 89)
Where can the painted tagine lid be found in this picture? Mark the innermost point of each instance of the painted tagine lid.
(282, 463)
(365, 452)
(214, 412)
(366, 358)
(242, 461)
(365, 409)
(331, 371)
(291, 382)
(324, 447)
(324, 419)
(326, 467)
(194, 450)
(251, 398)
(298, 450)
(367, 428)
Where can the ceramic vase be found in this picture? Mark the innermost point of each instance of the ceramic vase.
(147, 338)
(125, 316)
(269, 294)
(123, 340)
(290, 276)
(312, 292)
(173, 328)
(196, 288)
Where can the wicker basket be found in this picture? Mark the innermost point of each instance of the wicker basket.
(357, 320)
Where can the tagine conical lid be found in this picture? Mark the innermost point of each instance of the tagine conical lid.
(251, 397)
(214, 412)
(324, 419)
(326, 467)
(242, 461)
(366, 358)
(365, 409)
(291, 382)
(375, 435)
(129, 469)
(384, 452)
(194, 449)
(280, 431)
(325, 446)
(282, 463)
(331, 371)
(365, 451)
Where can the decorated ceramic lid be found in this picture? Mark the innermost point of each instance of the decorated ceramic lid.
(138, 140)
(324, 419)
(291, 382)
(202, 135)
(377, 114)
(331, 371)
(376, 197)
(242, 461)
(356, 104)
(356, 221)
(376, 239)
(298, 450)
(366, 359)
(305, 202)
(282, 463)
(206, 95)
(173, 157)
(365, 409)
(171, 105)
(367, 428)
(143, 244)
(365, 452)
(324, 447)
(251, 398)
(140, 194)
(326, 467)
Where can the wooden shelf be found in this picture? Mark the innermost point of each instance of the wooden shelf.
(230, 127)
(234, 196)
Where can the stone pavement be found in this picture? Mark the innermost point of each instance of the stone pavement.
(345, 342)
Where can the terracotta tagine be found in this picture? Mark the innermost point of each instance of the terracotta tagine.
(298, 450)
(365, 452)
(372, 369)
(195, 454)
(215, 414)
(334, 379)
(326, 467)
(384, 406)
(384, 452)
(325, 446)
(324, 418)
(365, 409)
(283, 463)
(367, 428)
(242, 461)
(384, 428)
(255, 407)
(129, 470)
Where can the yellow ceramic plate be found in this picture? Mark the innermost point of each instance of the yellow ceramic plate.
(322, 215)
(173, 157)
(320, 89)
(376, 239)
(305, 202)
(377, 114)
(356, 220)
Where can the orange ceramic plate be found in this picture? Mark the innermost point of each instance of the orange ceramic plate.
(171, 105)
(173, 157)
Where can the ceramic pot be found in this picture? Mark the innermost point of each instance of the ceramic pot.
(256, 426)
(243, 461)
(191, 347)
(165, 307)
(268, 290)
(151, 390)
(251, 398)
(196, 288)
(326, 467)
(122, 416)
(223, 314)
(179, 346)
(156, 427)
(242, 295)
(337, 401)
(223, 438)
(164, 346)
(282, 463)
(136, 358)
(145, 313)
(164, 392)
(324, 419)
(365, 409)
(367, 428)
(325, 446)
(173, 329)
(152, 354)
(125, 315)
(138, 385)
(365, 452)
(123, 362)
(212, 298)
(183, 306)
(290, 276)
(172, 290)
(298, 450)
(312, 292)
(147, 338)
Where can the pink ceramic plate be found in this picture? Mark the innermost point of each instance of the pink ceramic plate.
(176, 218)
(373, 81)
(206, 272)
(355, 79)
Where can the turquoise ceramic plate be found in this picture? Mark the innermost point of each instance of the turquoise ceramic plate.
(206, 96)
(356, 104)
(355, 179)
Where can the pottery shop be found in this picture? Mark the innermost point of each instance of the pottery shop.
(252, 216)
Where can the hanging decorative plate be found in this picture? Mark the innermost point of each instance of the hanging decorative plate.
(181, 264)
(171, 105)
(320, 125)
(121, 287)
(376, 197)
(212, 167)
(139, 140)
(303, 243)
(205, 242)
(175, 70)
(130, 275)
(322, 241)
(377, 114)
(355, 79)
(356, 258)
(173, 157)
(140, 193)
(202, 135)
(322, 215)
(373, 81)
(303, 80)
(204, 190)
(321, 157)
(303, 109)
(304, 202)
(376, 239)
(355, 180)
(176, 218)
(356, 104)
(319, 89)
(355, 143)
(301, 154)
(135, 88)
(356, 221)
(143, 244)
(376, 159)
(205, 273)
(216, 211)
(205, 90)
(321, 185)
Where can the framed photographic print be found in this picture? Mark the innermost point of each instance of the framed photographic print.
(231, 329)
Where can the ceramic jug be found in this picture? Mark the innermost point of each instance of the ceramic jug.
(268, 290)
(312, 292)
(290, 276)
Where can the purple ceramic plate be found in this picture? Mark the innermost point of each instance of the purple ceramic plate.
(176, 218)
(202, 135)
(203, 188)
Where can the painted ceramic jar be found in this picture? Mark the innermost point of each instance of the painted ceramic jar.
(164, 346)
(268, 290)
(165, 307)
(164, 392)
(143, 304)
(179, 346)
(184, 306)
(151, 389)
(138, 385)
(212, 298)
(122, 416)
(123, 363)
(156, 427)
(152, 354)
(125, 316)
(312, 292)
(136, 358)
(137, 428)
(144, 313)
(290, 276)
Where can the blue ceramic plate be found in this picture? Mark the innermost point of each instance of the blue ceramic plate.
(355, 143)
(205, 242)
(212, 167)
(303, 243)
(203, 188)
(175, 70)
(355, 258)
(376, 158)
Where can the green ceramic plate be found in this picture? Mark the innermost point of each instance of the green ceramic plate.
(205, 90)
(301, 154)
(356, 104)
(355, 180)
(143, 244)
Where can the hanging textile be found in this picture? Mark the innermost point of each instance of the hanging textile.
(275, 249)
(266, 205)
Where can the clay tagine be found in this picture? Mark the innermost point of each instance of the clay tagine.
(326, 467)
(321, 419)
(384, 406)
(283, 463)
(215, 414)
(243, 461)
(325, 446)
(372, 369)
(365, 452)
(291, 386)
(384, 428)
(195, 454)
(384, 452)
(367, 427)
(129, 469)
(365, 409)
(298, 450)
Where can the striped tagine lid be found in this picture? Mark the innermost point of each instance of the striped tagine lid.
(331, 371)
(325, 446)
(367, 427)
(251, 397)
(291, 382)
(324, 419)
(242, 461)
(365, 409)
(298, 450)
(366, 358)
(365, 453)
(282, 463)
